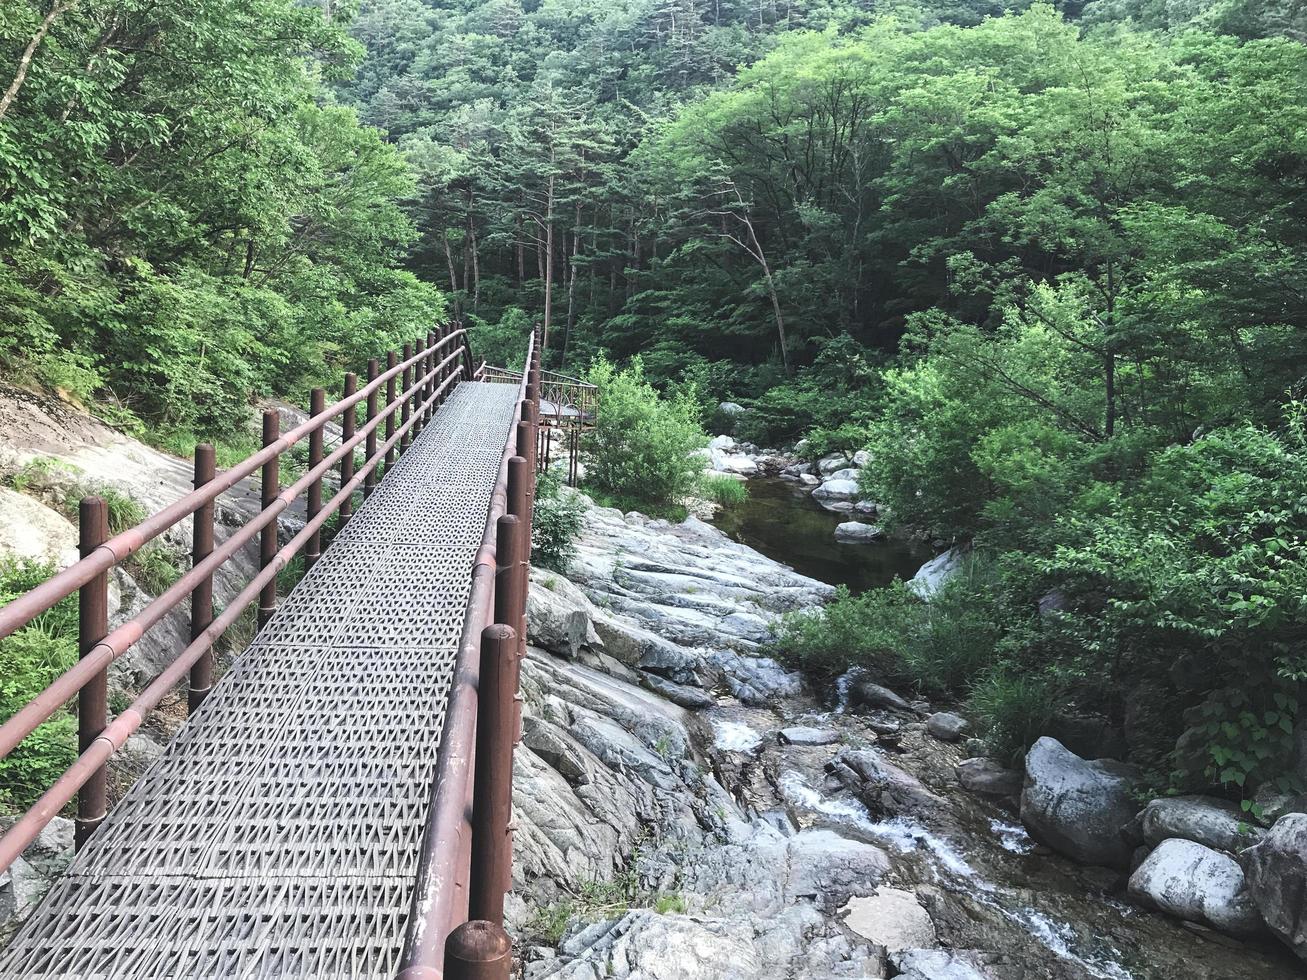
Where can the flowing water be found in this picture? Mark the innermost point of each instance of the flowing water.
(781, 520)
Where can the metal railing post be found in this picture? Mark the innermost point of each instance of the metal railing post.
(268, 535)
(317, 405)
(93, 698)
(432, 360)
(347, 461)
(478, 950)
(202, 595)
(493, 775)
(406, 439)
(370, 442)
(391, 361)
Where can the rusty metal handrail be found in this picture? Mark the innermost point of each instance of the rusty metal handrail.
(465, 863)
(433, 376)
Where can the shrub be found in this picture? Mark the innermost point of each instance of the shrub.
(642, 444)
(846, 439)
(29, 660)
(555, 524)
(940, 647)
(724, 490)
(1012, 710)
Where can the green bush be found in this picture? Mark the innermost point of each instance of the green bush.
(31, 659)
(724, 490)
(640, 448)
(555, 524)
(1012, 710)
(846, 439)
(940, 647)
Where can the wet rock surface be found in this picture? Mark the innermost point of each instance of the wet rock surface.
(743, 852)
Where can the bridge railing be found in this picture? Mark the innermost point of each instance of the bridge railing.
(397, 400)
(455, 927)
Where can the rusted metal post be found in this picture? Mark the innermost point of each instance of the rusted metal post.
(347, 461)
(406, 439)
(508, 567)
(370, 441)
(313, 549)
(202, 595)
(432, 360)
(391, 361)
(93, 698)
(268, 536)
(493, 779)
(420, 386)
(478, 950)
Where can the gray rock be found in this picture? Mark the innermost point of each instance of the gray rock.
(940, 964)
(861, 458)
(1205, 820)
(731, 408)
(885, 788)
(864, 694)
(559, 617)
(1078, 807)
(865, 506)
(802, 735)
(680, 694)
(946, 726)
(1196, 883)
(848, 473)
(756, 680)
(808, 480)
(1276, 873)
(987, 778)
(891, 918)
(837, 490)
(855, 532)
(931, 576)
(832, 464)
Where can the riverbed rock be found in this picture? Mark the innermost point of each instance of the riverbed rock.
(731, 409)
(885, 788)
(559, 616)
(855, 532)
(833, 464)
(940, 964)
(946, 726)
(848, 473)
(930, 577)
(837, 490)
(864, 693)
(803, 735)
(1198, 884)
(808, 480)
(679, 694)
(892, 918)
(1076, 806)
(1204, 820)
(1276, 873)
(987, 778)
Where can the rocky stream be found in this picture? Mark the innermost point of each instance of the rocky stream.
(687, 809)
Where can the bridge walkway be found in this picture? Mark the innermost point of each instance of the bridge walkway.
(279, 833)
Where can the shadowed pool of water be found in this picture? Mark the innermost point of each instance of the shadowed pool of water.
(781, 520)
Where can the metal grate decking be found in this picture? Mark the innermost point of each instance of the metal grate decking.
(279, 834)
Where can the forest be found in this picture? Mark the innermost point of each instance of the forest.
(1047, 263)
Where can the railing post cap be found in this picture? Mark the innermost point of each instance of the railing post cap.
(478, 941)
(499, 633)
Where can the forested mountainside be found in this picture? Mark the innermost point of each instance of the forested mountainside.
(1044, 263)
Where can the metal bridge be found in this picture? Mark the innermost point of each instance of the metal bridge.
(337, 805)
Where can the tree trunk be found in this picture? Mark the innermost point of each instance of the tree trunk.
(549, 265)
(453, 278)
(571, 285)
(60, 8)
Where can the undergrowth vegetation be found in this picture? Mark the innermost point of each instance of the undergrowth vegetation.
(555, 523)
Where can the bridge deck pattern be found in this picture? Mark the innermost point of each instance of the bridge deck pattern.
(279, 833)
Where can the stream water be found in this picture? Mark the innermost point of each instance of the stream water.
(781, 520)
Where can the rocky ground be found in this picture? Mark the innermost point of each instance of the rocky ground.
(688, 809)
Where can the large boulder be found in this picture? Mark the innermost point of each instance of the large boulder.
(864, 693)
(892, 918)
(930, 577)
(1211, 822)
(855, 532)
(885, 788)
(558, 615)
(987, 778)
(1276, 871)
(1196, 883)
(1078, 807)
(833, 464)
(837, 490)
(946, 726)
